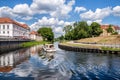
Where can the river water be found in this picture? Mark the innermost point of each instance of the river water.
(34, 64)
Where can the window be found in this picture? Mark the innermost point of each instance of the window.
(3, 26)
(8, 32)
(7, 26)
(0, 26)
(3, 32)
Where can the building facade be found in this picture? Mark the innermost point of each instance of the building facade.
(13, 29)
(35, 36)
(117, 29)
(105, 27)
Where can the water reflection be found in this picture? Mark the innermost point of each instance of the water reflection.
(34, 64)
(12, 59)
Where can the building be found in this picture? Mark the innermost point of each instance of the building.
(12, 29)
(117, 29)
(35, 36)
(105, 27)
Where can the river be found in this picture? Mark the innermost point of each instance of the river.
(34, 64)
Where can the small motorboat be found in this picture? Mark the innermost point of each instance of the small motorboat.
(49, 48)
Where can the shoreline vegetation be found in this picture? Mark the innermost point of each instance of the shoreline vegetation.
(111, 49)
(90, 46)
(93, 43)
(33, 43)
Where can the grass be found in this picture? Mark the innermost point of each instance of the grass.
(80, 45)
(90, 46)
(33, 43)
(113, 39)
(111, 49)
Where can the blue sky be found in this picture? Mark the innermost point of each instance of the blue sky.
(58, 13)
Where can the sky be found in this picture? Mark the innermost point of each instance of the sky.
(59, 13)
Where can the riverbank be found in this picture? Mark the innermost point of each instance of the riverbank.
(33, 43)
(92, 46)
(111, 43)
(108, 44)
(85, 48)
(112, 39)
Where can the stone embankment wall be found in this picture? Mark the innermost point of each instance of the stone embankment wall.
(80, 49)
(6, 46)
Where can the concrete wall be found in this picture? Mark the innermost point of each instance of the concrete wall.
(6, 46)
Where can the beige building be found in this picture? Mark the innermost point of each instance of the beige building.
(35, 36)
(105, 27)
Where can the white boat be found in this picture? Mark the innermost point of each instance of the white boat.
(49, 48)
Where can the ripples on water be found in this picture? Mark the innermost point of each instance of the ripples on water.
(32, 64)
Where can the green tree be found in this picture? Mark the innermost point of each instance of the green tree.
(75, 24)
(96, 30)
(81, 28)
(61, 37)
(67, 28)
(68, 32)
(82, 34)
(78, 31)
(110, 29)
(115, 33)
(46, 33)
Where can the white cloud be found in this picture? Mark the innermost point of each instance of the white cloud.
(56, 24)
(60, 23)
(22, 9)
(27, 18)
(96, 16)
(116, 11)
(62, 11)
(58, 29)
(90, 21)
(49, 22)
(44, 6)
(79, 9)
(6, 12)
(19, 11)
(54, 8)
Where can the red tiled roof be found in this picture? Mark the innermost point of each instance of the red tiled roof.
(25, 26)
(117, 27)
(104, 26)
(8, 20)
(34, 32)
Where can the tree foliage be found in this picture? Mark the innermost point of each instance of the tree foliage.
(110, 29)
(96, 30)
(81, 30)
(67, 28)
(46, 33)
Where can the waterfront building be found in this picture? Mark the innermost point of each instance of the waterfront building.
(35, 36)
(13, 29)
(117, 29)
(105, 27)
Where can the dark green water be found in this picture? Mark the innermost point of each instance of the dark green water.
(32, 64)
